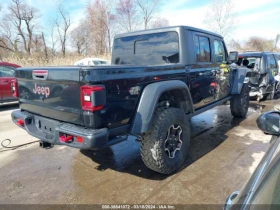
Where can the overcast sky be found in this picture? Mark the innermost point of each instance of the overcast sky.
(254, 17)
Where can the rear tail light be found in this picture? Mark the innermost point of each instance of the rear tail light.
(79, 139)
(88, 102)
(20, 122)
(14, 87)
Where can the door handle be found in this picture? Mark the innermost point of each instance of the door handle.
(202, 74)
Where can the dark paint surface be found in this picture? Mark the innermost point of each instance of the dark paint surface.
(123, 87)
(60, 98)
(123, 84)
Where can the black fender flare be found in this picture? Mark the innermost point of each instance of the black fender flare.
(240, 76)
(148, 101)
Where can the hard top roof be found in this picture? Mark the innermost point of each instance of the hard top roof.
(163, 29)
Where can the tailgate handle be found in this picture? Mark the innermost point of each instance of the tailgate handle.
(40, 74)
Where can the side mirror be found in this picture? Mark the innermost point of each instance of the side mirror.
(233, 56)
(269, 122)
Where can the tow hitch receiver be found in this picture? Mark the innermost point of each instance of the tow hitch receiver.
(45, 145)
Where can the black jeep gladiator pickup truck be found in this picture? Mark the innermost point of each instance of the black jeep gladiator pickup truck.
(158, 80)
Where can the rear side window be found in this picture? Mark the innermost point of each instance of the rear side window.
(6, 71)
(271, 63)
(147, 49)
(277, 58)
(219, 51)
(202, 47)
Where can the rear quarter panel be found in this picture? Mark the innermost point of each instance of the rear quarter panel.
(124, 85)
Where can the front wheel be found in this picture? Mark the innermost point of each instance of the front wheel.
(239, 104)
(165, 147)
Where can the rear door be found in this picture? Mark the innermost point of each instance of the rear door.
(277, 58)
(221, 67)
(272, 67)
(203, 82)
(6, 77)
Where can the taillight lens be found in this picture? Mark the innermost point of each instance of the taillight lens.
(86, 93)
(20, 122)
(14, 87)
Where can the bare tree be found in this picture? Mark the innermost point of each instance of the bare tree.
(253, 44)
(100, 20)
(127, 14)
(79, 38)
(160, 22)
(220, 17)
(62, 23)
(23, 17)
(8, 39)
(259, 44)
(53, 38)
(45, 46)
(148, 9)
(234, 45)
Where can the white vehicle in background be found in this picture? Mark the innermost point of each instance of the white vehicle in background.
(91, 62)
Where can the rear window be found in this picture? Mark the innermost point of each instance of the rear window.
(7, 71)
(147, 49)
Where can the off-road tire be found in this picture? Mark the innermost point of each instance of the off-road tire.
(153, 143)
(239, 104)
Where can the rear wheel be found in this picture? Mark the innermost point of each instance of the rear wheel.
(165, 147)
(239, 103)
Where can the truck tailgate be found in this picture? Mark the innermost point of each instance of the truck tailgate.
(52, 92)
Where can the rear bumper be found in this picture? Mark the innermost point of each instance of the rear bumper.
(50, 130)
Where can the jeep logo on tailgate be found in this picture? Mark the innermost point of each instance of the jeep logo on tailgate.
(41, 90)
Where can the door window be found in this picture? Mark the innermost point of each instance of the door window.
(6, 71)
(277, 58)
(219, 51)
(271, 63)
(202, 47)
